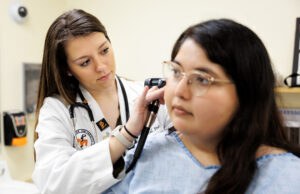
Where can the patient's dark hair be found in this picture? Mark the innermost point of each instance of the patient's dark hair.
(257, 121)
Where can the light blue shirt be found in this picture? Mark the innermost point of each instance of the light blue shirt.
(167, 166)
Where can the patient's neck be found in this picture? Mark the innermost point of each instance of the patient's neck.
(204, 151)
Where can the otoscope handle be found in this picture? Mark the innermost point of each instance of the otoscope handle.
(139, 148)
(153, 109)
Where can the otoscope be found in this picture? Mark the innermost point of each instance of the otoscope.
(152, 111)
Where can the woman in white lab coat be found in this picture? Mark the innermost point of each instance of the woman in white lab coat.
(83, 108)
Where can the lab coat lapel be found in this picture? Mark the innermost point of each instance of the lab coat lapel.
(97, 112)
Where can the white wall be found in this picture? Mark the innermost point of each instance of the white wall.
(23, 43)
(142, 33)
(18, 44)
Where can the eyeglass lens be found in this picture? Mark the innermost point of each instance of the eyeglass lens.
(197, 82)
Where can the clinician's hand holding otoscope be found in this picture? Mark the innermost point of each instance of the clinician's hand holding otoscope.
(145, 112)
(142, 116)
(153, 91)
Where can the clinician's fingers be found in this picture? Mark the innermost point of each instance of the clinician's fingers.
(162, 100)
(155, 94)
(153, 88)
(142, 99)
(138, 114)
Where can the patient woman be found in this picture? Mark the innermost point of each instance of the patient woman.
(228, 135)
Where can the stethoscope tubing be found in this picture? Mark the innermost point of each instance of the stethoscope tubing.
(84, 104)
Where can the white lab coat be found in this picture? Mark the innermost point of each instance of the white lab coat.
(61, 168)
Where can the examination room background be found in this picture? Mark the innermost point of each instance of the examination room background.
(142, 33)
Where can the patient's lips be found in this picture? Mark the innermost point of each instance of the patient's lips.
(180, 110)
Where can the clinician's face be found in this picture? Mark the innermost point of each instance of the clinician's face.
(91, 61)
(201, 117)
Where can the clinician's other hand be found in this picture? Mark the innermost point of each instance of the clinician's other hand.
(139, 113)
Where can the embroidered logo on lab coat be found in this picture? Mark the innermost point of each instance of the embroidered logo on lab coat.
(84, 138)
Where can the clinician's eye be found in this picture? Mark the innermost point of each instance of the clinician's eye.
(104, 51)
(85, 63)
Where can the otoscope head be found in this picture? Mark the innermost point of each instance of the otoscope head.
(159, 82)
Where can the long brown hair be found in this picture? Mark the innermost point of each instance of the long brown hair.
(257, 121)
(54, 79)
